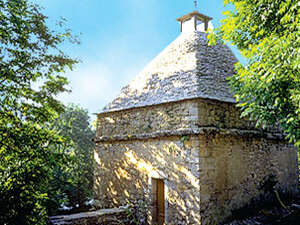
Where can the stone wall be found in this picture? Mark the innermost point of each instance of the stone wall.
(183, 116)
(113, 216)
(147, 120)
(124, 171)
(233, 170)
(211, 160)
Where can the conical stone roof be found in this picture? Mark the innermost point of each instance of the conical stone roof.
(188, 68)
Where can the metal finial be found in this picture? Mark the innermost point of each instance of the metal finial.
(196, 4)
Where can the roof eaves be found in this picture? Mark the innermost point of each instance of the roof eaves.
(190, 15)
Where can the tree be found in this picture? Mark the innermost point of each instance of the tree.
(74, 179)
(267, 87)
(29, 55)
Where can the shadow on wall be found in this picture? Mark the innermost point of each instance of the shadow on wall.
(124, 171)
(222, 171)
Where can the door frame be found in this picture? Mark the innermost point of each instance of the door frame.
(158, 176)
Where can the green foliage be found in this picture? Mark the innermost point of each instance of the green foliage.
(268, 87)
(183, 139)
(26, 162)
(29, 149)
(136, 213)
(72, 181)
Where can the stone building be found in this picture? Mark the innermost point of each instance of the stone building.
(175, 138)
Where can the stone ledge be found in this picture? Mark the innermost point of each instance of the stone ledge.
(183, 132)
(147, 106)
(104, 217)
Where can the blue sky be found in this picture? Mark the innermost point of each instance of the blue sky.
(118, 38)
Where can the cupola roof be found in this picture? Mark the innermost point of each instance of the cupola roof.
(188, 68)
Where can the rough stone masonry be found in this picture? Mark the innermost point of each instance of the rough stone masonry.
(177, 123)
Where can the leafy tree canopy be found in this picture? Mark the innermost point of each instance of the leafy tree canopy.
(31, 64)
(267, 32)
(74, 179)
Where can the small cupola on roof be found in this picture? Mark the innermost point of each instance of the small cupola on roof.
(195, 21)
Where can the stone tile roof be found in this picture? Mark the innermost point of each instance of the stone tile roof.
(188, 68)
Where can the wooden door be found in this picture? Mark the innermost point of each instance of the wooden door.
(160, 202)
